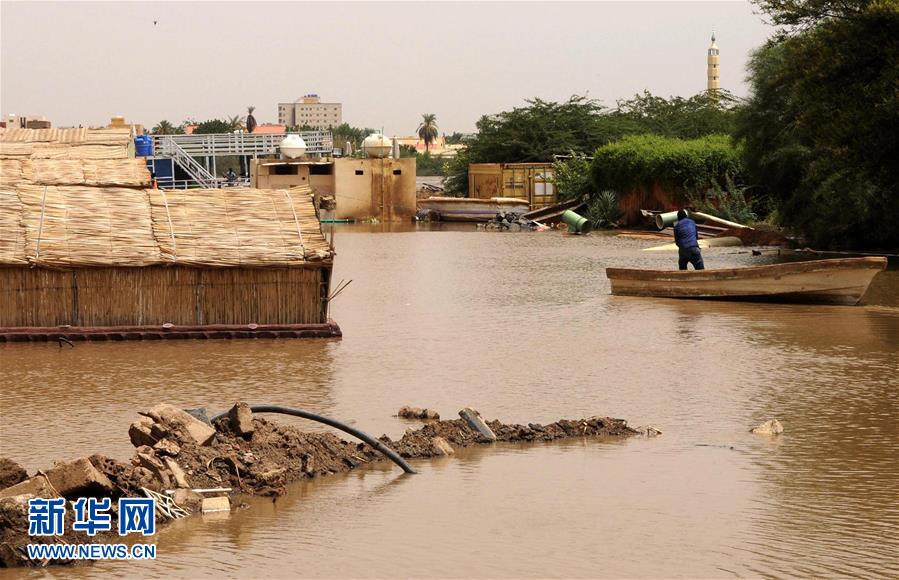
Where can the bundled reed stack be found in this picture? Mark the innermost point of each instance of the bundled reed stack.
(84, 243)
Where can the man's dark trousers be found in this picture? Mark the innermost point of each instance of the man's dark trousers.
(690, 255)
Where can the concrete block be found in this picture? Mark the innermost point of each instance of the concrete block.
(187, 499)
(156, 467)
(36, 486)
(441, 446)
(140, 434)
(179, 420)
(167, 447)
(215, 504)
(241, 419)
(176, 471)
(11, 473)
(79, 478)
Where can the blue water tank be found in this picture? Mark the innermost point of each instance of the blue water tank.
(143, 146)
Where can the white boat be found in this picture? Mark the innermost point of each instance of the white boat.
(466, 209)
(841, 281)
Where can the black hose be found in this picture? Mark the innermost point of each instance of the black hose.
(383, 449)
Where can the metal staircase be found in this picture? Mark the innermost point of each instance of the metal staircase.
(169, 148)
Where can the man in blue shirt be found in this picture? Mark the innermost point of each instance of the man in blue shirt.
(687, 240)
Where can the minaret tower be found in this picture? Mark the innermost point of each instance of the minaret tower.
(714, 72)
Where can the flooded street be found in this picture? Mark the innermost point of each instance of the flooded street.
(521, 327)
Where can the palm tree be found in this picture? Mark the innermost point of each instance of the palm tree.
(234, 123)
(427, 131)
(251, 120)
(166, 128)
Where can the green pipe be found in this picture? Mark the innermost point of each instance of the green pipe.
(335, 221)
(577, 223)
(664, 220)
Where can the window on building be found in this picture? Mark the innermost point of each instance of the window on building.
(397, 171)
(286, 170)
(359, 172)
(321, 169)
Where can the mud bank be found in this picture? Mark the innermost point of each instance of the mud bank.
(177, 452)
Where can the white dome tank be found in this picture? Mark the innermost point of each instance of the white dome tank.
(293, 146)
(377, 145)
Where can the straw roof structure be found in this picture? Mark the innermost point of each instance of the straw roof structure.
(237, 226)
(77, 226)
(65, 143)
(99, 172)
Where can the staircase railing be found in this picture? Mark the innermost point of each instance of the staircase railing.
(170, 148)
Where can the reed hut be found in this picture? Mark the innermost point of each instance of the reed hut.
(89, 251)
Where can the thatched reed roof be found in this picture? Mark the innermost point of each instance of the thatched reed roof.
(76, 226)
(92, 172)
(64, 143)
(231, 227)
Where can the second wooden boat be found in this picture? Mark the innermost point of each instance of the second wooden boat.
(466, 209)
(841, 281)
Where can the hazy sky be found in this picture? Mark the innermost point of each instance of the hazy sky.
(386, 62)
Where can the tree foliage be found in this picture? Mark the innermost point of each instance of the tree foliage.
(683, 164)
(166, 128)
(251, 120)
(571, 176)
(212, 126)
(542, 130)
(821, 126)
(427, 130)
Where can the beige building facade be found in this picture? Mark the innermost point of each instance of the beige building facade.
(363, 189)
(310, 111)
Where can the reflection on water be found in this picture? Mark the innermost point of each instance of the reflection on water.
(522, 326)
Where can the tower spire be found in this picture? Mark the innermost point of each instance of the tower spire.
(713, 72)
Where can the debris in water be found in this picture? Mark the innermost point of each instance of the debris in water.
(418, 413)
(771, 427)
(182, 456)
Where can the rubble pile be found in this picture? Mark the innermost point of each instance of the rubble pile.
(510, 221)
(177, 452)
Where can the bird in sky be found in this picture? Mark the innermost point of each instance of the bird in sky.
(154, 23)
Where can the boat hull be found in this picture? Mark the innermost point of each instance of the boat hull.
(842, 281)
(464, 209)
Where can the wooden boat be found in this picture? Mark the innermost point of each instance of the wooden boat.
(466, 209)
(841, 281)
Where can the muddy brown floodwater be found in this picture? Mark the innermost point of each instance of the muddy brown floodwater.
(522, 327)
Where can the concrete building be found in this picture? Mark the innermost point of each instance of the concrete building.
(310, 111)
(714, 74)
(27, 122)
(363, 189)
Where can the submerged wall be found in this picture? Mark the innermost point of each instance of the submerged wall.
(40, 297)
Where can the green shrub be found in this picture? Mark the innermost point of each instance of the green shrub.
(678, 163)
(572, 176)
(603, 210)
(728, 202)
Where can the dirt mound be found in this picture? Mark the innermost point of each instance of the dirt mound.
(177, 451)
(758, 237)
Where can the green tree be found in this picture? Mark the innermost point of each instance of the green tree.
(166, 128)
(427, 130)
(686, 118)
(820, 129)
(234, 123)
(571, 176)
(541, 130)
(212, 126)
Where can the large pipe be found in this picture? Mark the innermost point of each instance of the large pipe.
(383, 449)
(716, 220)
(576, 223)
